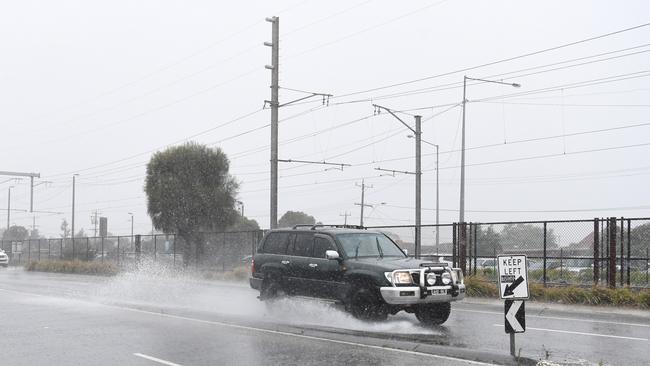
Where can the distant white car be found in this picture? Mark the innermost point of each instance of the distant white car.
(487, 263)
(4, 259)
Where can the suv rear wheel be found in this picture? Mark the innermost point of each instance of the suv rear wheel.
(271, 289)
(433, 314)
(365, 304)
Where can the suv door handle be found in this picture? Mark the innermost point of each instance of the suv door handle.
(313, 265)
(285, 262)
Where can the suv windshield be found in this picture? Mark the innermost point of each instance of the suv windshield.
(369, 245)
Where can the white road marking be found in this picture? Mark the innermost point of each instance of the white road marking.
(154, 359)
(557, 318)
(262, 330)
(581, 333)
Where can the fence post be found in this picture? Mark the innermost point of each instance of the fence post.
(475, 248)
(462, 247)
(544, 259)
(612, 253)
(596, 252)
(118, 250)
(87, 247)
(29, 250)
(138, 249)
(174, 249)
(453, 245)
(469, 250)
(253, 235)
(155, 247)
(39, 250)
(102, 249)
(622, 252)
(629, 239)
(61, 249)
(49, 249)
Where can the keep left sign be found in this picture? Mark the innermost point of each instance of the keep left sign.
(513, 276)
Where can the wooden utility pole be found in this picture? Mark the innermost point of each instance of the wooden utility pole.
(275, 72)
(363, 204)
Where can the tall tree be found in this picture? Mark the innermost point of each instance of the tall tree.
(639, 240)
(17, 233)
(526, 236)
(243, 223)
(291, 218)
(65, 229)
(189, 190)
(487, 242)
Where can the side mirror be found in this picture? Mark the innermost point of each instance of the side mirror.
(406, 252)
(332, 255)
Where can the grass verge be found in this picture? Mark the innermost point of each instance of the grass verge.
(78, 267)
(239, 274)
(478, 286)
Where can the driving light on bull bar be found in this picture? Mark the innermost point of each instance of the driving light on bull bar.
(402, 278)
(431, 279)
(446, 278)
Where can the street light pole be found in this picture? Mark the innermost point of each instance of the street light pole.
(437, 198)
(9, 208)
(461, 219)
(418, 186)
(437, 190)
(418, 174)
(74, 181)
(462, 157)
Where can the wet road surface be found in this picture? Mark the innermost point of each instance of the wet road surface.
(152, 318)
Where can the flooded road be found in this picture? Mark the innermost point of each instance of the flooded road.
(154, 316)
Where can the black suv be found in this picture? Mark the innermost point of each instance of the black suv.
(362, 269)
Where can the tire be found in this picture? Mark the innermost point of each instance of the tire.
(366, 304)
(433, 314)
(271, 289)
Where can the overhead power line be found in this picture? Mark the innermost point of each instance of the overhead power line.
(565, 45)
(641, 207)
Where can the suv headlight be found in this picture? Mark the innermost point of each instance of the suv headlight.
(446, 278)
(401, 278)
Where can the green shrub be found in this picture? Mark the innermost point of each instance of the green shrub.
(478, 286)
(79, 267)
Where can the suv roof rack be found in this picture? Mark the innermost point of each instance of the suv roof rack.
(313, 227)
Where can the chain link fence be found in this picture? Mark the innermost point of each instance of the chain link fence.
(606, 251)
(222, 250)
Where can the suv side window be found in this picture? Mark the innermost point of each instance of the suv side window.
(276, 243)
(321, 245)
(302, 246)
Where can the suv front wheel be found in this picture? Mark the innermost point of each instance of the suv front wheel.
(433, 314)
(366, 304)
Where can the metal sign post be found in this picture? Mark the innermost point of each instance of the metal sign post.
(513, 288)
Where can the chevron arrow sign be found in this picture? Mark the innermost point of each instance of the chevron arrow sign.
(515, 316)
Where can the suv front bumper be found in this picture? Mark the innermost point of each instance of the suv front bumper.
(409, 295)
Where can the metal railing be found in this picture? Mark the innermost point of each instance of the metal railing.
(606, 251)
(221, 250)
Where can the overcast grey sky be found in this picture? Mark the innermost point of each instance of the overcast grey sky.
(94, 88)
